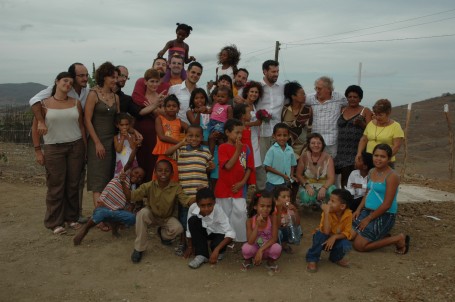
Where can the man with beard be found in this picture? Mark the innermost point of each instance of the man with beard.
(240, 79)
(272, 101)
(176, 67)
(140, 87)
(126, 102)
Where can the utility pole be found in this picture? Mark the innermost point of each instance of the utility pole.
(277, 50)
(360, 74)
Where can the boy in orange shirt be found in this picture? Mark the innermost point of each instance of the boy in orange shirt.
(334, 231)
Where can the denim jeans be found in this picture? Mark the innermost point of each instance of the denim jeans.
(103, 214)
(339, 249)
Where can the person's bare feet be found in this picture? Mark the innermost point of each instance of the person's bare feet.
(115, 227)
(312, 267)
(343, 263)
(80, 235)
(402, 247)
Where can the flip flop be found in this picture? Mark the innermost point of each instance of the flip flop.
(59, 230)
(312, 267)
(103, 227)
(75, 225)
(273, 268)
(246, 266)
(407, 240)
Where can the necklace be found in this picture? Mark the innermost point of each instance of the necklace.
(376, 134)
(105, 100)
(315, 162)
(59, 100)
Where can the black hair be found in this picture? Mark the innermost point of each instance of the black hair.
(184, 27)
(344, 195)
(192, 126)
(226, 78)
(280, 126)
(367, 160)
(72, 69)
(279, 189)
(61, 75)
(356, 89)
(313, 135)
(254, 201)
(231, 124)
(158, 58)
(171, 97)
(291, 89)
(233, 56)
(222, 89)
(194, 63)
(204, 193)
(384, 147)
(165, 161)
(193, 96)
(240, 110)
(266, 65)
(123, 116)
(106, 69)
(242, 69)
(252, 84)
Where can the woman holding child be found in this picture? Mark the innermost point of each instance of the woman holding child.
(64, 154)
(315, 171)
(375, 216)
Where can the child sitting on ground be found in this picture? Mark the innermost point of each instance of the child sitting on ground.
(280, 161)
(358, 179)
(262, 232)
(207, 222)
(193, 162)
(334, 231)
(290, 231)
(112, 206)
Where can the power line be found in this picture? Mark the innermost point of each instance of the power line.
(376, 26)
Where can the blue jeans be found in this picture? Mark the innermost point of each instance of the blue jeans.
(183, 215)
(103, 214)
(339, 249)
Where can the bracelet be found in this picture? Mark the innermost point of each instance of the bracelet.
(37, 148)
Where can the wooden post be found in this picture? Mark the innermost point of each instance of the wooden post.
(277, 50)
(449, 124)
(405, 158)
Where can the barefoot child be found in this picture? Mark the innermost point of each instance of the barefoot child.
(112, 206)
(288, 214)
(207, 222)
(124, 142)
(262, 232)
(193, 162)
(236, 163)
(334, 231)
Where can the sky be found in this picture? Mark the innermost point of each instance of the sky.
(406, 47)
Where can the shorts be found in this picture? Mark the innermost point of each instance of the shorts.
(377, 228)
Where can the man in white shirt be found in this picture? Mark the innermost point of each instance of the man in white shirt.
(273, 101)
(183, 91)
(79, 91)
(326, 105)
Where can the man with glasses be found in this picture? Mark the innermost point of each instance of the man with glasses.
(79, 91)
(126, 102)
(326, 105)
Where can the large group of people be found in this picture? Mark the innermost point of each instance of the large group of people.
(185, 158)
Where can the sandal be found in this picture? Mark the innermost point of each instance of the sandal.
(75, 225)
(103, 227)
(246, 266)
(407, 240)
(343, 263)
(287, 249)
(273, 268)
(59, 230)
(312, 267)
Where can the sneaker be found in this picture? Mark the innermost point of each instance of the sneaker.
(136, 256)
(220, 256)
(197, 261)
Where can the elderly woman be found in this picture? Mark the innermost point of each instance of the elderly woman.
(315, 172)
(381, 130)
(351, 124)
(64, 154)
(297, 116)
(100, 109)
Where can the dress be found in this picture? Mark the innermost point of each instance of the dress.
(171, 129)
(349, 136)
(100, 171)
(298, 124)
(121, 159)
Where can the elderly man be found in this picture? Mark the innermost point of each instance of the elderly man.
(326, 105)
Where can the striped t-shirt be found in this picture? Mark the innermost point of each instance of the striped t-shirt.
(192, 165)
(112, 196)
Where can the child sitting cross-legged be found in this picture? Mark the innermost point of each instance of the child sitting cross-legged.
(207, 222)
(112, 205)
(334, 231)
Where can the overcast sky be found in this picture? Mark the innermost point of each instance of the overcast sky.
(41, 38)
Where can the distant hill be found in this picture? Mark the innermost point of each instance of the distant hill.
(18, 94)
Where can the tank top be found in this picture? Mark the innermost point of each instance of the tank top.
(62, 125)
(376, 194)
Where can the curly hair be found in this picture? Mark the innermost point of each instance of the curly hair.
(184, 27)
(233, 55)
(107, 69)
(252, 84)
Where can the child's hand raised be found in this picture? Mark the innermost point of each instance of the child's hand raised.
(238, 145)
(325, 207)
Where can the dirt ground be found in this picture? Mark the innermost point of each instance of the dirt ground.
(39, 266)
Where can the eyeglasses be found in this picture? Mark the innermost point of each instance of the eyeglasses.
(124, 76)
(82, 75)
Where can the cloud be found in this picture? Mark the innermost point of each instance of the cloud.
(24, 27)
